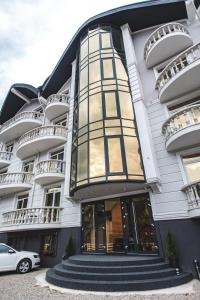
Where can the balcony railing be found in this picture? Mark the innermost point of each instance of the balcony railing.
(43, 131)
(50, 166)
(193, 193)
(184, 118)
(182, 61)
(16, 178)
(58, 98)
(29, 216)
(162, 32)
(4, 155)
(23, 115)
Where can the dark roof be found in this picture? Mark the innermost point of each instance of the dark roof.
(138, 16)
(13, 103)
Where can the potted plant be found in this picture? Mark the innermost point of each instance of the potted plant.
(69, 249)
(171, 251)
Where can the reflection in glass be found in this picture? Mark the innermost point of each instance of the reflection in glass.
(132, 157)
(104, 123)
(114, 227)
(88, 223)
(94, 43)
(97, 159)
(82, 162)
(126, 105)
(120, 70)
(105, 40)
(83, 113)
(115, 156)
(95, 107)
(192, 167)
(110, 104)
(107, 68)
(83, 78)
(94, 71)
(84, 49)
(145, 230)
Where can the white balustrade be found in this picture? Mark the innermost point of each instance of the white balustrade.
(193, 193)
(5, 155)
(50, 166)
(43, 131)
(58, 98)
(183, 118)
(16, 178)
(28, 216)
(33, 115)
(179, 63)
(162, 32)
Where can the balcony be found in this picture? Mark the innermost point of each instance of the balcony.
(193, 193)
(15, 182)
(182, 129)
(32, 217)
(181, 76)
(165, 42)
(5, 158)
(20, 124)
(41, 139)
(50, 171)
(57, 105)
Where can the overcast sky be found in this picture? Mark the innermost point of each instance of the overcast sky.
(34, 34)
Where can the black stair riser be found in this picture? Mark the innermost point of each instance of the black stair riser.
(114, 277)
(119, 286)
(118, 269)
(115, 263)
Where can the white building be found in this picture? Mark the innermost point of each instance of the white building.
(107, 150)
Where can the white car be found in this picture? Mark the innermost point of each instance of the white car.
(21, 261)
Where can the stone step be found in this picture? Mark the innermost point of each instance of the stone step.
(118, 285)
(115, 269)
(112, 260)
(61, 271)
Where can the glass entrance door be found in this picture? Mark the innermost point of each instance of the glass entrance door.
(118, 225)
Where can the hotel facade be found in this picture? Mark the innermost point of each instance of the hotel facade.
(107, 150)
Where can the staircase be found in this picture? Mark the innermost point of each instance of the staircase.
(115, 273)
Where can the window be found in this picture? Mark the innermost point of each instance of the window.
(97, 158)
(9, 147)
(62, 122)
(83, 113)
(58, 155)
(110, 104)
(52, 197)
(4, 249)
(115, 155)
(105, 40)
(192, 167)
(107, 68)
(82, 162)
(132, 155)
(49, 244)
(28, 166)
(94, 71)
(22, 201)
(95, 108)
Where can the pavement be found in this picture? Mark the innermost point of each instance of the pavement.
(32, 286)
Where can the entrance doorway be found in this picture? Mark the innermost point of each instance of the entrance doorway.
(118, 225)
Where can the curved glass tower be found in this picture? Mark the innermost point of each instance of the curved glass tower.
(105, 142)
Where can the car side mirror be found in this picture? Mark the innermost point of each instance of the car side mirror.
(10, 251)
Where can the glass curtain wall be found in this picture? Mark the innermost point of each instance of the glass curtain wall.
(105, 143)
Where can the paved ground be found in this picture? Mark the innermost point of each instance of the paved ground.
(25, 287)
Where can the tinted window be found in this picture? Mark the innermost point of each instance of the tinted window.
(3, 249)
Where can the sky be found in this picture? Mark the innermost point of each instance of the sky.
(35, 33)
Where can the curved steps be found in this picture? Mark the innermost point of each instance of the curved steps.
(115, 273)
